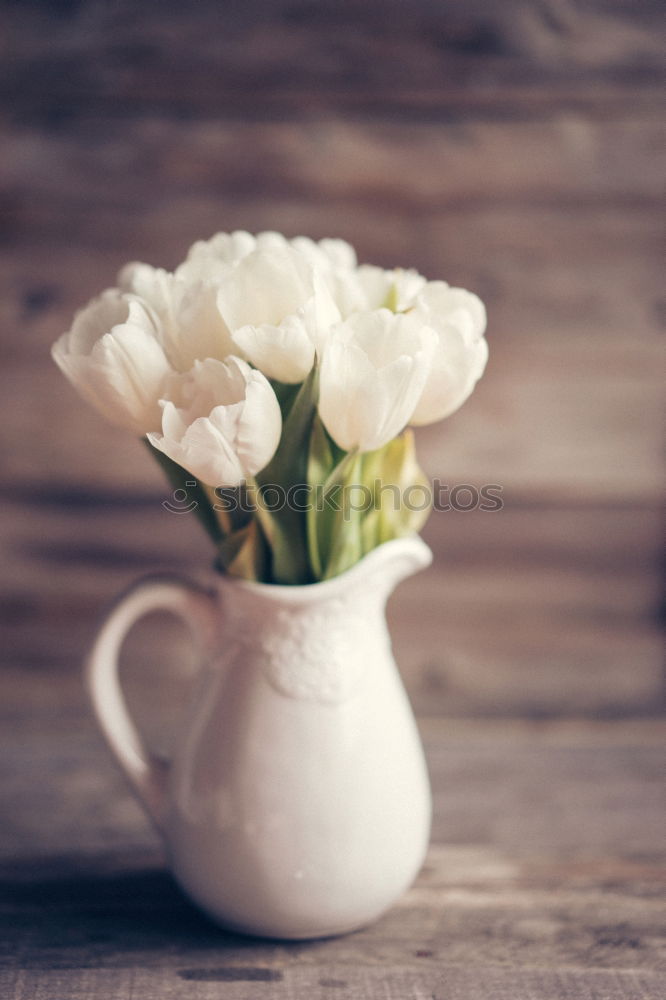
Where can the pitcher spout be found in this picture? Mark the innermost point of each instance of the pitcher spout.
(392, 562)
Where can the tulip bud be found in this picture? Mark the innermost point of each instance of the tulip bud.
(221, 421)
(189, 323)
(113, 358)
(278, 310)
(459, 320)
(373, 371)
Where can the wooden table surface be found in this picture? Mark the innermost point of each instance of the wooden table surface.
(514, 148)
(544, 880)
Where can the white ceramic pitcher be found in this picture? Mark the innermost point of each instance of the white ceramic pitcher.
(297, 801)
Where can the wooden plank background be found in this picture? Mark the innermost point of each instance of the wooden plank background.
(515, 149)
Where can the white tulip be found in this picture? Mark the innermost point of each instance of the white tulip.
(358, 289)
(459, 319)
(334, 260)
(207, 259)
(278, 309)
(221, 422)
(394, 290)
(373, 372)
(189, 324)
(326, 254)
(113, 358)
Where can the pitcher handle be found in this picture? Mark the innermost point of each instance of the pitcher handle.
(197, 607)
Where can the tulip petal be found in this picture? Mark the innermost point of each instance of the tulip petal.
(284, 352)
(188, 323)
(221, 422)
(459, 320)
(113, 358)
(373, 372)
(264, 288)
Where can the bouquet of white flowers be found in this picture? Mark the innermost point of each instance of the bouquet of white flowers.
(281, 378)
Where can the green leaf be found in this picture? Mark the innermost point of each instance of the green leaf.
(286, 393)
(399, 488)
(285, 527)
(380, 496)
(321, 462)
(344, 547)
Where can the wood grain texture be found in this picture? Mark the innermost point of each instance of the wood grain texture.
(539, 882)
(271, 57)
(515, 151)
(391, 983)
(530, 610)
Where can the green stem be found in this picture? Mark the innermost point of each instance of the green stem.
(345, 546)
(262, 514)
(338, 474)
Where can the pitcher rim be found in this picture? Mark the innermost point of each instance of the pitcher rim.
(410, 545)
